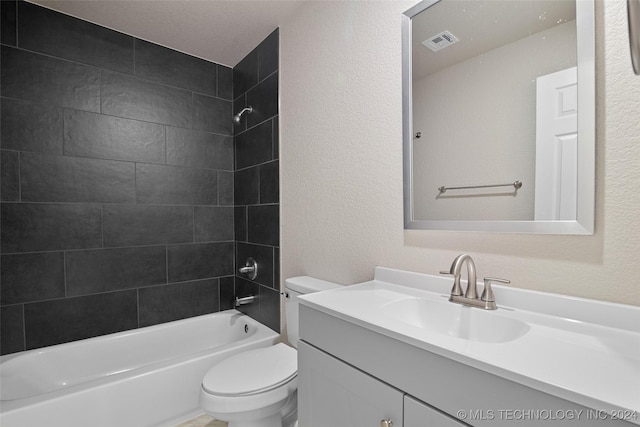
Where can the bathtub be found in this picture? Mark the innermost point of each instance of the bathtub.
(145, 377)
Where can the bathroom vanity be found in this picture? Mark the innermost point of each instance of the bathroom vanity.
(396, 352)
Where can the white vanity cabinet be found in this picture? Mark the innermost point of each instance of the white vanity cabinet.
(333, 393)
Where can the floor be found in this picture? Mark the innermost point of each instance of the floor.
(203, 421)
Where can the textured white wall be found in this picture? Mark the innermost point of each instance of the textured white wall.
(341, 164)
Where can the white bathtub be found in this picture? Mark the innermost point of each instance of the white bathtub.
(145, 377)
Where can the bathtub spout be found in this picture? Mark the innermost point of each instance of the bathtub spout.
(245, 300)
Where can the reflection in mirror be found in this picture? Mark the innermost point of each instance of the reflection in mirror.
(499, 115)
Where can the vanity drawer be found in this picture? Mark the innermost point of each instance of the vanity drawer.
(418, 414)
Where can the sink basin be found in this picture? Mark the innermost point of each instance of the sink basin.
(456, 320)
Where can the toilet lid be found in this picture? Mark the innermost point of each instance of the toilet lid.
(252, 371)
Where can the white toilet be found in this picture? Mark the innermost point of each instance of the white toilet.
(258, 388)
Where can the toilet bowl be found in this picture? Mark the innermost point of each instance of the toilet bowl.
(254, 385)
(258, 388)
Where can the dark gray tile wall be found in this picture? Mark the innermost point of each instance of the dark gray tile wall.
(44, 79)
(118, 181)
(256, 179)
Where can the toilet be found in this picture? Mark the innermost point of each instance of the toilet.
(258, 388)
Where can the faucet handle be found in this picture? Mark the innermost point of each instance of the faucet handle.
(487, 293)
(457, 289)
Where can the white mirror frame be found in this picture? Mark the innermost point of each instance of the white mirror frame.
(584, 223)
(633, 14)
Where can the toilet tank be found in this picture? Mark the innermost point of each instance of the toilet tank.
(295, 287)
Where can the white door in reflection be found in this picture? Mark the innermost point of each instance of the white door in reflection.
(556, 146)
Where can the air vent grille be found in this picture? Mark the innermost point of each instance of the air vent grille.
(440, 41)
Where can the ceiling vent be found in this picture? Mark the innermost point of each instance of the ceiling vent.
(440, 41)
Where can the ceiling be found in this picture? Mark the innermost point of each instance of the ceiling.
(481, 25)
(222, 31)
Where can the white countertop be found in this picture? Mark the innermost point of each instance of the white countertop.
(584, 351)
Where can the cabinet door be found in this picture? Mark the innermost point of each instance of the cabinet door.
(332, 393)
(417, 414)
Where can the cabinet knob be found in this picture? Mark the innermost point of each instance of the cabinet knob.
(386, 423)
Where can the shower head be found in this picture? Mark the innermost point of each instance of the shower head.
(238, 116)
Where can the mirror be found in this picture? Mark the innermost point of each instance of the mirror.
(499, 116)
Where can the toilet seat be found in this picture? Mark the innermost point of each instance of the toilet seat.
(252, 372)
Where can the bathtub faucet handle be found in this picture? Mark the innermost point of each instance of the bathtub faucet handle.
(250, 268)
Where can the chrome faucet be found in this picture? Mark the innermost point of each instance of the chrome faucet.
(470, 297)
(456, 266)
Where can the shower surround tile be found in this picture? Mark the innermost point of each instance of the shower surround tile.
(256, 178)
(46, 178)
(11, 328)
(27, 126)
(106, 137)
(264, 99)
(159, 304)
(34, 77)
(240, 223)
(8, 29)
(32, 227)
(213, 223)
(69, 319)
(134, 98)
(268, 55)
(227, 293)
(199, 261)
(171, 185)
(122, 203)
(191, 148)
(245, 73)
(212, 114)
(138, 225)
(164, 65)
(247, 186)
(32, 277)
(269, 313)
(254, 146)
(45, 31)
(276, 137)
(270, 182)
(263, 225)
(225, 82)
(10, 179)
(225, 188)
(103, 270)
